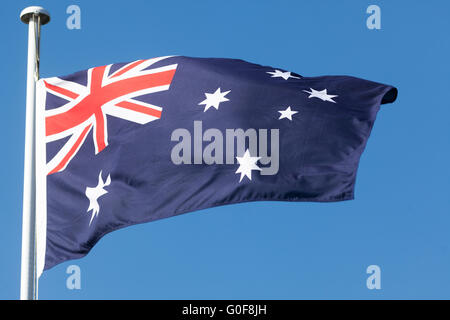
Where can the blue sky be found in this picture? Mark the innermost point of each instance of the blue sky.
(400, 219)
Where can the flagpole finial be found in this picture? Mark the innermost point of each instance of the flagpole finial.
(28, 12)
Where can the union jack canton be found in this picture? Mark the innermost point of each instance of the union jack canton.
(106, 93)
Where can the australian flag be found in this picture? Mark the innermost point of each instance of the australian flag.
(129, 143)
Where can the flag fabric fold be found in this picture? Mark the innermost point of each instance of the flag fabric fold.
(129, 143)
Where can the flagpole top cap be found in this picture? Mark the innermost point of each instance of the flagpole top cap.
(28, 12)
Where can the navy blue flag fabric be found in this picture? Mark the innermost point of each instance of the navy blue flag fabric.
(129, 143)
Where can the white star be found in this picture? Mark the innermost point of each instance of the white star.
(94, 193)
(280, 74)
(214, 99)
(247, 163)
(323, 95)
(287, 113)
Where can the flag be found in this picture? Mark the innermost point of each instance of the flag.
(129, 143)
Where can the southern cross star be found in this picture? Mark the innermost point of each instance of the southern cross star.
(288, 113)
(214, 99)
(247, 163)
(323, 95)
(280, 74)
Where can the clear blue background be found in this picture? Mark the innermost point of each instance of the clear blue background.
(400, 219)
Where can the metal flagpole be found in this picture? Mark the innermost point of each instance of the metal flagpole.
(34, 17)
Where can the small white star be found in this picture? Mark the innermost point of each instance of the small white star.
(287, 113)
(323, 95)
(247, 163)
(280, 74)
(214, 99)
(94, 193)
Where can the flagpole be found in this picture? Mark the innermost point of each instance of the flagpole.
(34, 17)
